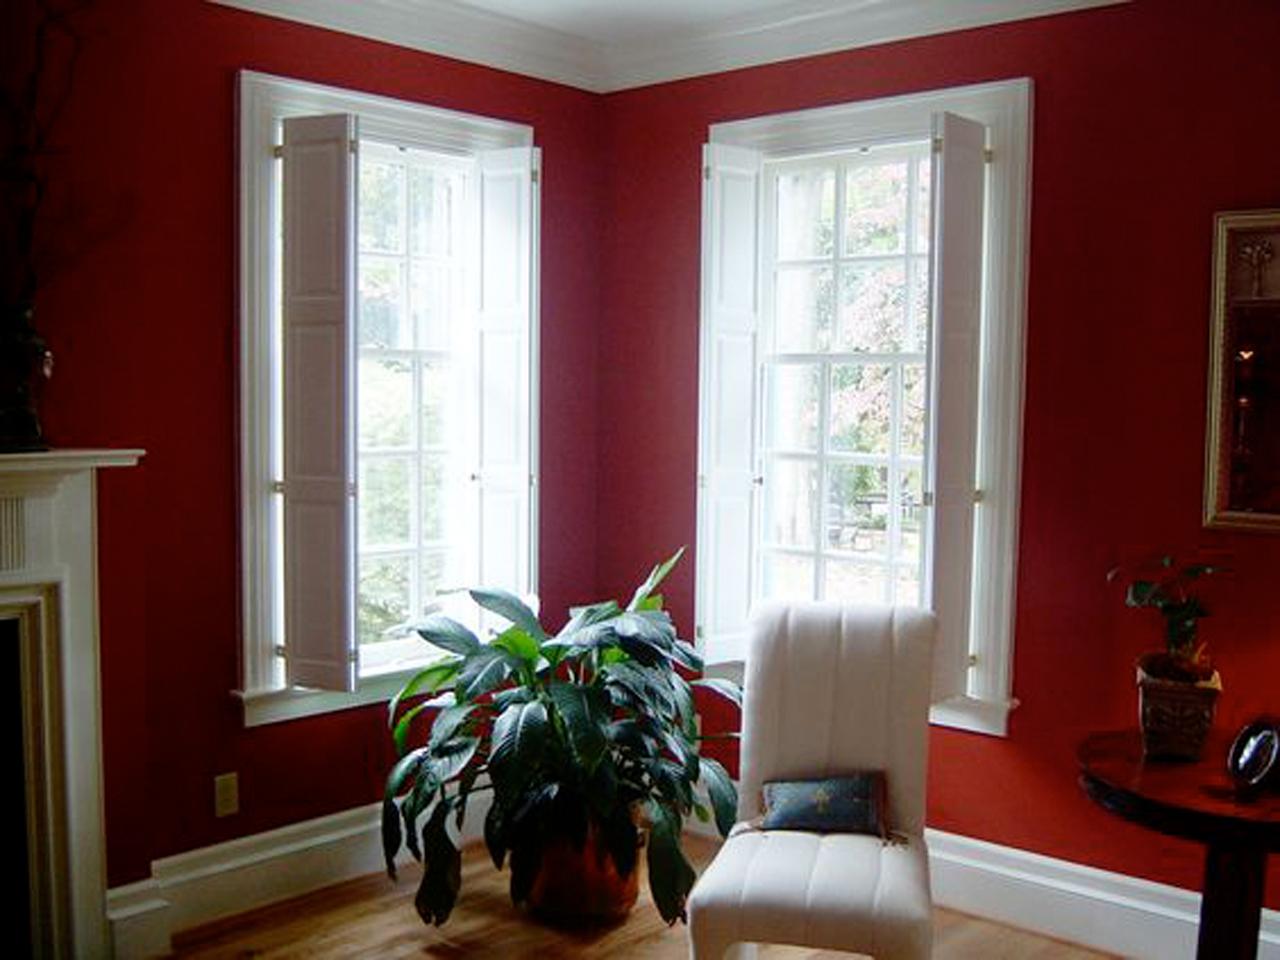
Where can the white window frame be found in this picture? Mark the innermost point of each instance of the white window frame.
(264, 101)
(1004, 108)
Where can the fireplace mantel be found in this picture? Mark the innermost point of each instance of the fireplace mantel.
(49, 585)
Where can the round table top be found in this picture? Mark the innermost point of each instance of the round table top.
(1196, 800)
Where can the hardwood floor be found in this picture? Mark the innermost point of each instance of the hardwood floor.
(372, 917)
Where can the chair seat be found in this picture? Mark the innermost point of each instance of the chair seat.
(828, 891)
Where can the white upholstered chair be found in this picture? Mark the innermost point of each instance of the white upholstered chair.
(829, 689)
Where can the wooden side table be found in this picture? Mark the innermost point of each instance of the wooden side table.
(1196, 801)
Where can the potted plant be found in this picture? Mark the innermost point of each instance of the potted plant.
(1178, 687)
(587, 741)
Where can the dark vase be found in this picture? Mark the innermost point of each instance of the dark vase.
(24, 364)
(581, 885)
(1175, 715)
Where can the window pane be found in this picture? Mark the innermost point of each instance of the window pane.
(385, 511)
(861, 407)
(806, 214)
(787, 577)
(911, 518)
(851, 582)
(791, 499)
(429, 296)
(911, 439)
(924, 210)
(872, 306)
(917, 336)
(382, 319)
(434, 493)
(430, 212)
(435, 395)
(876, 208)
(434, 573)
(858, 509)
(385, 393)
(381, 203)
(793, 406)
(384, 596)
(907, 588)
(805, 310)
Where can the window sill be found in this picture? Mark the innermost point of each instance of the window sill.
(276, 706)
(990, 717)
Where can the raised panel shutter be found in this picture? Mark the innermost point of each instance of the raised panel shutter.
(958, 181)
(318, 302)
(505, 454)
(727, 458)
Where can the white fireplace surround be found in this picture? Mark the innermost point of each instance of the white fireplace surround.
(48, 584)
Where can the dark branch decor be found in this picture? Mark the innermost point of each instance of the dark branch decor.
(37, 81)
(589, 742)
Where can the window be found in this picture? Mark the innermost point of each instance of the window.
(861, 372)
(388, 382)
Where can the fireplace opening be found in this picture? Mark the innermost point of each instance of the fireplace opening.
(16, 876)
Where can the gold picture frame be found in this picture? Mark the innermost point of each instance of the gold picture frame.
(1242, 450)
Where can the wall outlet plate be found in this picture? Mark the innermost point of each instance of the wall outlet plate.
(226, 794)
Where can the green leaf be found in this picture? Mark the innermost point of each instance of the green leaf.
(656, 576)
(682, 694)
(449, 759)
(482, 672)
(510, 607)
(493, 835)
(448, 722)
(583, 617)
(670, 875)
(390, 835)
(425, 681)
(518, 643)
(406, 767)
(442, 876)
(650, 689)
(520, 735)
(684, 653)
(1142, 593)
(401, 733)
(585, 720)
(411, 807)
(726, 688)
(723, 794)
(448, 634)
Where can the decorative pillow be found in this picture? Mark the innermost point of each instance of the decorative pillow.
(850, 804)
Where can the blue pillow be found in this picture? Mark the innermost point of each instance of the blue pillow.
(850, 804)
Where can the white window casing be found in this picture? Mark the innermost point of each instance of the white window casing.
(297, 263)
(728, 463)
(318, 349)
(981, 215)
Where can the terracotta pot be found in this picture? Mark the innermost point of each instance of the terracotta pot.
(1175, 715)
(581, 886)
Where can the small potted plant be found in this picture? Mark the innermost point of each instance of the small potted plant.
(1178, 687)
(588, 741)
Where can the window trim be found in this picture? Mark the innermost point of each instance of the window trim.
(263, 100)
(1005, 108)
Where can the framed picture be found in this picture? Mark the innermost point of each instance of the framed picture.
(1242, 462)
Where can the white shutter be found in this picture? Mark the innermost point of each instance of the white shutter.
(958, 179)
(505, 354)
(318, 300)
(727, 464)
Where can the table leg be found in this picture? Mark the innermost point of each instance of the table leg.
(1231, 910)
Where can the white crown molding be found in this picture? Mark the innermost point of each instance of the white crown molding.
(800, 29)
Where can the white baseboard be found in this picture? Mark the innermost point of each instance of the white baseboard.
(1097, 908)
(198, 887)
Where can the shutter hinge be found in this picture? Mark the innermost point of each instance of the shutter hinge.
(935, 145)
(972, 661)
(351, 489)
(533, 480)
(757, 481)
(355, 146)
(926, 499)
(702, 481)
(706, 172)
(698, 632)
(279, 650)
(277, 486)
(979, 496)
(988, 154)
(533, 176)
(353, 655)
(278, 151)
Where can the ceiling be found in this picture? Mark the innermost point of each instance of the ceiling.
(605, 45)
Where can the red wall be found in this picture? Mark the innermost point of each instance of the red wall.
(144, 329)
(1148, 118)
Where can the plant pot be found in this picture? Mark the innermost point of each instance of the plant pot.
(1175, 715)
(581, 886)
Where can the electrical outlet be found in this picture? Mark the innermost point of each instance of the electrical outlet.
(226, 794)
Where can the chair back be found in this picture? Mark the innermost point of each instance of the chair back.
(831, 689)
